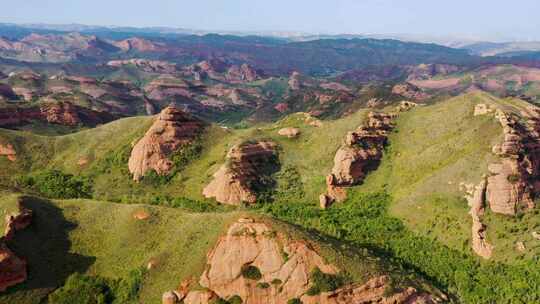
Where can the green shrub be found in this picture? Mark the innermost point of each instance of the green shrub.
(82, 289)
(324, 282)
(263, 285)
(294, 301)
(236, 299)
(513, 178)
(276, 282)
(56, 184)
(251, 272)
(86, 289)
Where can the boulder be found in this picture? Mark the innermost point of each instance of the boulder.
(481, 109)
(236, 181)
(172, 130)
(9, 151)
(289, 132)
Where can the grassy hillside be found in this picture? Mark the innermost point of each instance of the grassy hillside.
(106, 149)
(432, 151)
(105, 239)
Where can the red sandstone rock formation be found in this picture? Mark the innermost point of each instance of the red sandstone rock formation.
(511, 183)
(360, 153)
(172, 130)
(58, 113)
(243, 73)
(9, 151)
(234, 182)
(410, 91)
(12, 268)
(254, 244)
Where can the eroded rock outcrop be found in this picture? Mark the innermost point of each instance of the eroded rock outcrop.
(263, 266)
(410, 91)
(13, 268)
(171, 130)
(361, 152)
(512, 183)
(476, 197)
(8, 151)
(247, 168)
(62, 113)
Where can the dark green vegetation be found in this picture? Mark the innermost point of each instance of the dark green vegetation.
(251, 272)
(364, 220)
(323, 282)
(85, 289)
(56, 184)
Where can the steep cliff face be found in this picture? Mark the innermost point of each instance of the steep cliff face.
(13, 268)
(172, 130)
(260, 265)
(513, 182)
(246, 170)
(361, 152)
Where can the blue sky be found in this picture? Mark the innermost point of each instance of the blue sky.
(465, 18)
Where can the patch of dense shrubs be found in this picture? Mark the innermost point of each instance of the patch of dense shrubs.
(324, 282)
(364, 220)
(56, 184)
(84, 289)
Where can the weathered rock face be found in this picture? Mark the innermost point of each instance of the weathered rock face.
(8, 151)
(360, 153)
(476, 199)
(255, 245)
(243, 73)
(512, 182)
(12, 268)
(57, 113)
(371, 292)
(138, 44)
(409, 91)
(246, 167)
(172, 130)
(427, 71)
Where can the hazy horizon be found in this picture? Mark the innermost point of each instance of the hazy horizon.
(488, 20)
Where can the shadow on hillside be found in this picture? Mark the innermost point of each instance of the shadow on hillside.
(45, 245)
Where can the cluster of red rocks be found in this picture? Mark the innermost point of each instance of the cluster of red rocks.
(361, 152)
(234, 182)
(172, 130)
(512, 183)
(62, 113)
(410, 91)
(8, 151)
(13, 268)
(248, 243)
